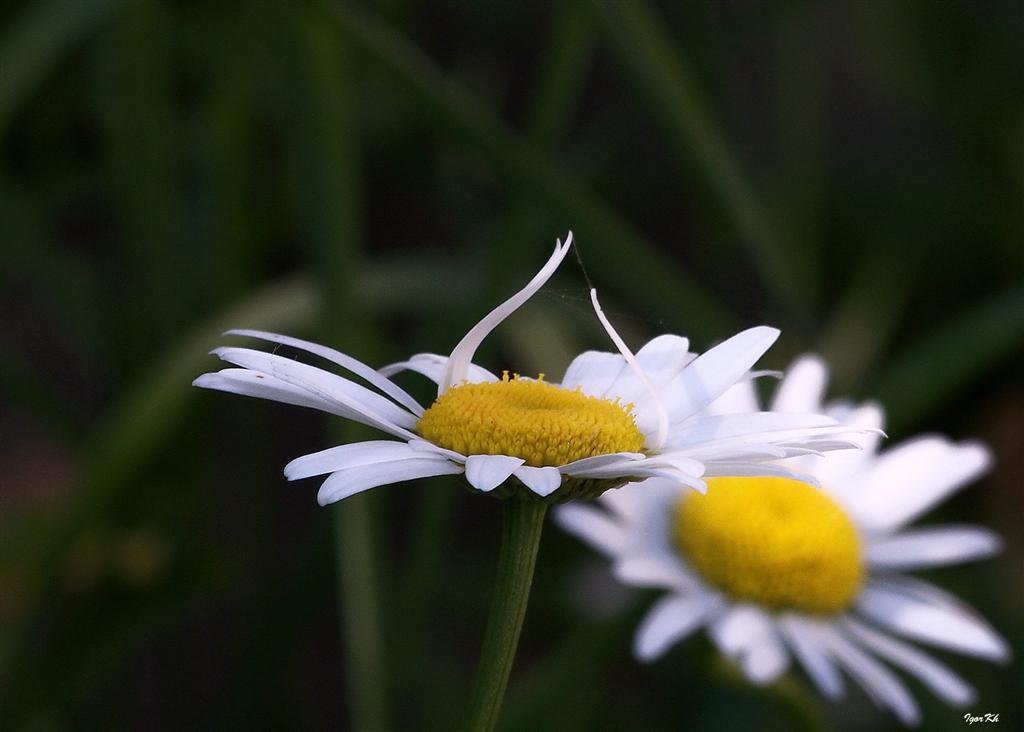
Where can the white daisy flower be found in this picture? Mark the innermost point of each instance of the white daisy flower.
(772, 567)
(614, 417)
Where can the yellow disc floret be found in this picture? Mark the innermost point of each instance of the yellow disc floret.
(541, 423)
(774, 541)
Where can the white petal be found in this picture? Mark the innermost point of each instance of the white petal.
(345, 483)
(457, 368)
(766, 660)
(593, 526)
(755, 426)
(937, 677)
(802, 387)
(431, 448)
(911, 478)
(655, 416)
(713, 372)
(932, 547)
(599, 461)
(933, 619)
(358, 368)
(669, 621)
(432, 366)
(264, 386)
(542, 481)
(755, 470)
(348, 456)
(867, 420)
(662, 359)
(747, 634)
(487, 472)
(362, 404)
(653, 570)
(802, 636)
(880, 683)
(593, 372)
(740, 398)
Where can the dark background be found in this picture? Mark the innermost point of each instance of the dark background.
(378, 176)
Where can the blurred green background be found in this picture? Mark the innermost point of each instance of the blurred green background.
(378, 176)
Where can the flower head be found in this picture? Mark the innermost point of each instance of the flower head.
(775, 567)
(613, 417)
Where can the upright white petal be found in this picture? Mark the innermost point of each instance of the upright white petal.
(661, 359)
(433, 366)
(594, 372)
(713, 372)
(740, 398)
(803, 386)
(457, 368)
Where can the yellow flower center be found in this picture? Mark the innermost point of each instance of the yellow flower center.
(538, 422)
(774, 541)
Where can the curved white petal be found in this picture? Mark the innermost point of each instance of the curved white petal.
(932, 547)
(878, 681)
(457, 368)
(802, 636)
(432, 366)
(803, 386)
(669, 621)
(593, 526)
(931, 617)
(657, 414)
(357, 367)
(264, 386)
(360, 404)
(909, 479)
(348, 482)
(487, 472)
(946, 685)
(713, 372)
(348, 456)
(542, 481)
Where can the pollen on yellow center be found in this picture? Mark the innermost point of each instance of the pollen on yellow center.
(774, 541)
(541, 423)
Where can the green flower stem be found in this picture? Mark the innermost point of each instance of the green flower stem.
(522, 521)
